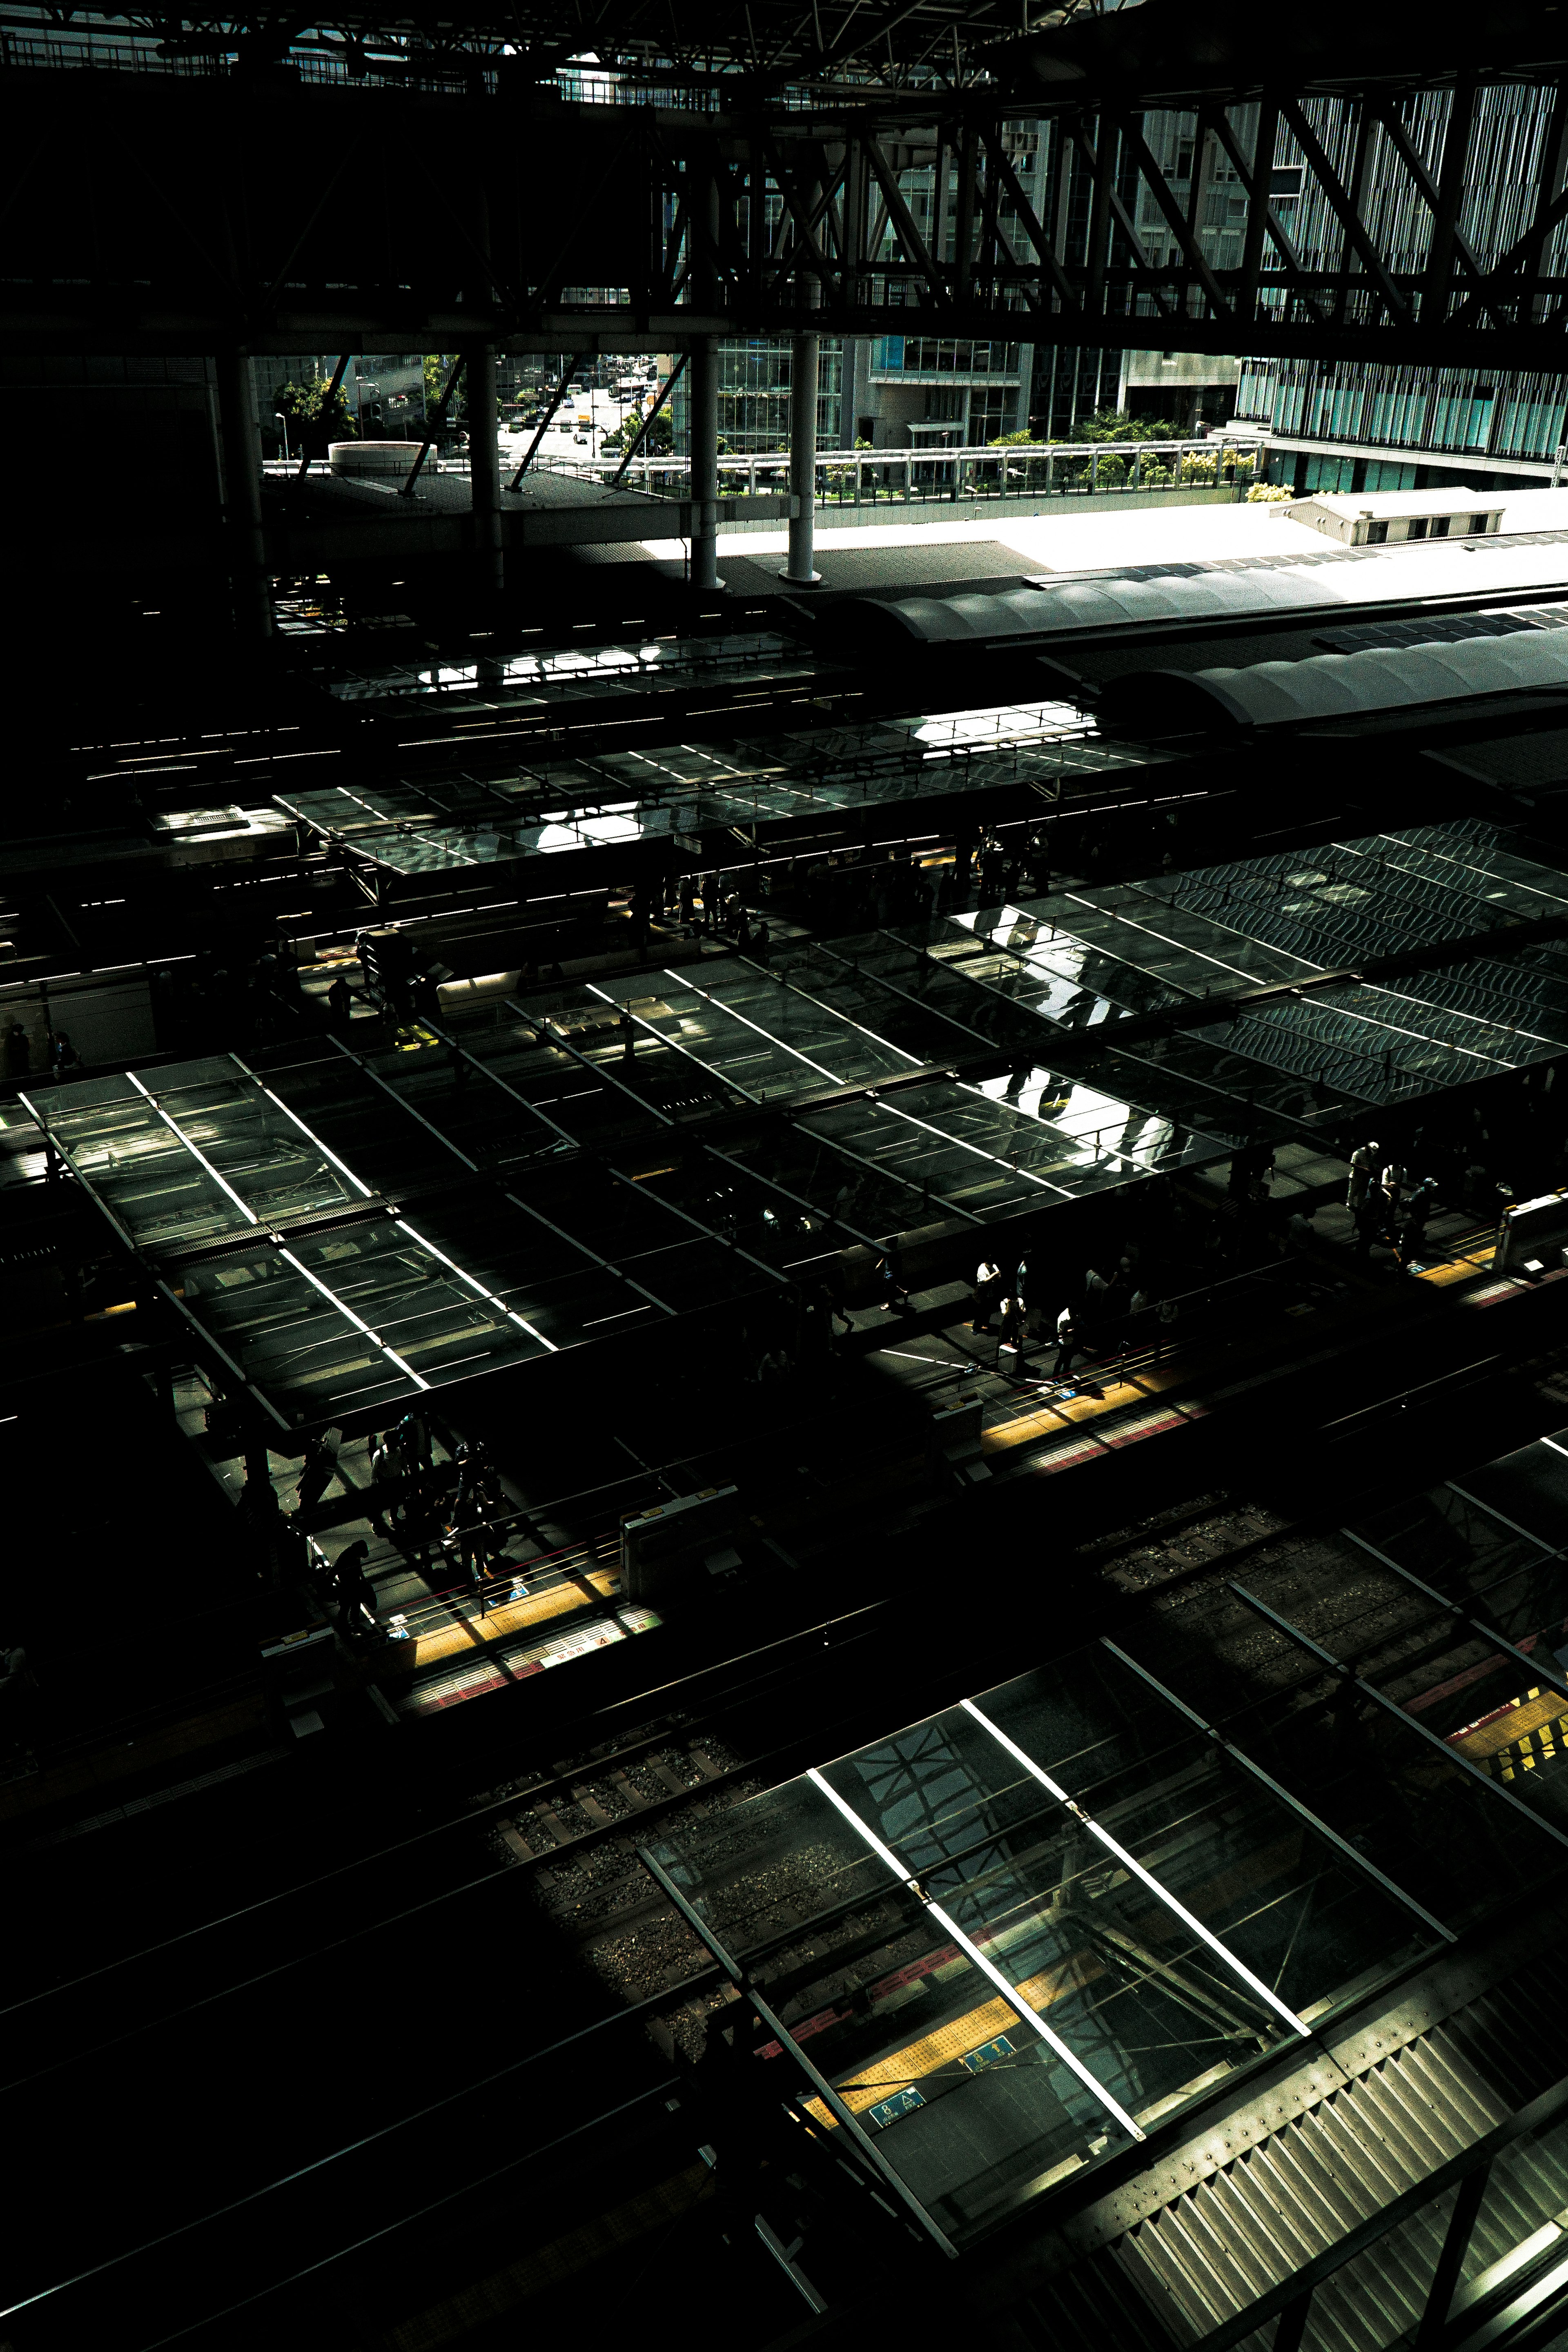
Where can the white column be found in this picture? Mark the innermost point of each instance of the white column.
(803, 371)
(484, 464)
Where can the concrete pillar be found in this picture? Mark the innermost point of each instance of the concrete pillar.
(704, 407)
(484, 464)
(803, 380)
(252, 585)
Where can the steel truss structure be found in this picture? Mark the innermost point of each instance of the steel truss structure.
(203, 213)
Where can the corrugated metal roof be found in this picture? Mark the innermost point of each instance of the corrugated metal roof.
(1056, 605)
(1337, 686)
(1224, 2227)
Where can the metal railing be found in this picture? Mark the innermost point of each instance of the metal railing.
(914, 476)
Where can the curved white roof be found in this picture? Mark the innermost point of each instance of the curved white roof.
(1334, 685)
(1052, 605)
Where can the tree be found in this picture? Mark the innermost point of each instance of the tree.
(313, 422)
(657, 441)
(439, 366)
(1115, 425)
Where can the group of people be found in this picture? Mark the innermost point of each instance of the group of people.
(59, 1058)
(705, 904)
(1388, 1203)
(416, 1499)
(1126, 1299)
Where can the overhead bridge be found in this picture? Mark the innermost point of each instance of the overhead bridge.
(213, 211)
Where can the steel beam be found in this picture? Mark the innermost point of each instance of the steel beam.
(1390, 1707)
(761, 221)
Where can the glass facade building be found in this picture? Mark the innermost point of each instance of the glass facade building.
(1340, 424)
(754, 381)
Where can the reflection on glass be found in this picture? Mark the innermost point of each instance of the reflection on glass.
(1207, 1925)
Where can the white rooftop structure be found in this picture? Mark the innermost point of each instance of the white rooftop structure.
(1385, 516)
(1105, 539)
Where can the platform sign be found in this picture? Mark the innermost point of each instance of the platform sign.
(989, 2053)
(902, 2103)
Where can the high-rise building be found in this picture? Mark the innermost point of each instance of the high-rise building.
(1354, 425)
(754, 377)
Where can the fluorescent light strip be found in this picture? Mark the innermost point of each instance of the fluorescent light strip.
(662, 1038)
(681, 980)
(181, 1137)
(327, 1154)
(489, 1296)
(1013, 1997)
(1145, 1877)
(347, 1312)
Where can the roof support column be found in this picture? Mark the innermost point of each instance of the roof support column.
(484, 464)
(703, 408)
(803, 381)
(703, 379)
(250, 581)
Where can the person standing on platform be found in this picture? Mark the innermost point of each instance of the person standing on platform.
(1372, 1220)
(1365, 1166)
(688, 906)
(987, 1290)
(317, 1471)
(468, 1532)
(1068, 1344)
(1013, 1331)
(385, 1486)
(355, 1593)
(19, 1052)
(1410, 1231)
(891, 1277)
(341, 1000)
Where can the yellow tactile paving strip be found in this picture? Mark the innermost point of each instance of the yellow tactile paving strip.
(1463, 1266)
(461, 1632)
(1528, 1714)
(1152, 1381)
(950, 2042)
(1045, 1421)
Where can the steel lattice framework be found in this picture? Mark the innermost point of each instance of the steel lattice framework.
(1114, 181)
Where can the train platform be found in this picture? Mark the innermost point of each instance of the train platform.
(1227, 1338)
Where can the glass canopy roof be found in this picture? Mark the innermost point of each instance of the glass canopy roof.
(346, 1227)
(1009, 1939)
(456, 820)
(1095, 954)
(528, 680)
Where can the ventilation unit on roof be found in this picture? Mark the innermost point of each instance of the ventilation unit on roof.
(1396, 516)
